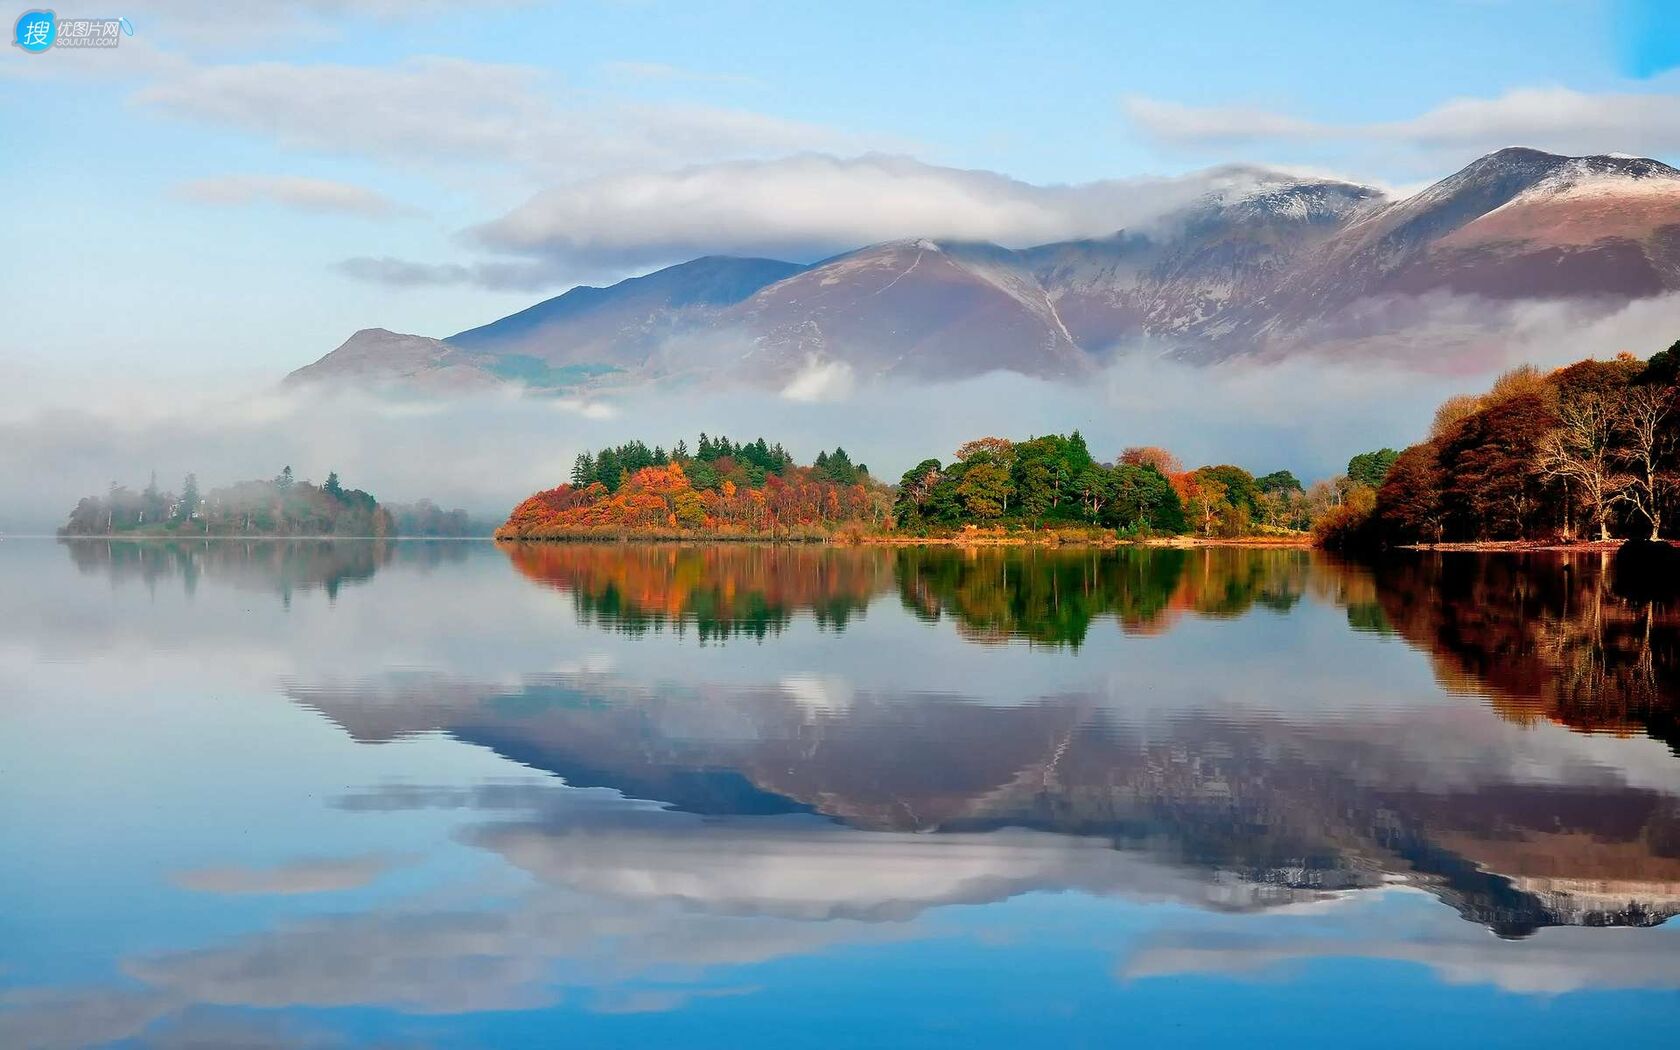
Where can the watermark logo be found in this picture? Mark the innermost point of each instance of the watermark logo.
(36, 31)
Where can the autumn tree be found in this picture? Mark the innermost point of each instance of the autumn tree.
(1646, 443)
(1207, 505)
(1150, 456)
(1581, 454)
(1409, 501)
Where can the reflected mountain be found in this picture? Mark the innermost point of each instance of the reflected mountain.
(1257, 790)
(282, 567)
(533, 797)
(1259, 809)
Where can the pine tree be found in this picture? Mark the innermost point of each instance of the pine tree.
(188, 507)
(583, 470)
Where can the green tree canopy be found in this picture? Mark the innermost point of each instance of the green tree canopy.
(1370, 468)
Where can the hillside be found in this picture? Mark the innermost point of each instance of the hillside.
(1283, 266)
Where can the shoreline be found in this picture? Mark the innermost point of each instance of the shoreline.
(197, 537)
(1519, 546)
(959, 540)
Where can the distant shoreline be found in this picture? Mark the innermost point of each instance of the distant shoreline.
(196, 537)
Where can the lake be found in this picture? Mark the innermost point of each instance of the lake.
(450, 794)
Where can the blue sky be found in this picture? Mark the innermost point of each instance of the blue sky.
(240, 186)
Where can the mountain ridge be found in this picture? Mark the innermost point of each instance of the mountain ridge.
(1266, 267)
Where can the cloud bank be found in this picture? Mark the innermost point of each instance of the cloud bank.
(807, 206)
(453, 112)
(1557, 119)
(292, 191)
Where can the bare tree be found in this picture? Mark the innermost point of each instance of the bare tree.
(1645, 443)
(1582, 453)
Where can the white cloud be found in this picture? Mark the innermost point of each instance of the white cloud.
(810, 204)
(450, 111)
(315, 875)
(403, 273)
(1553, 962)
(293, 191)
(1559, 119)
(820, 381)
(221, 23)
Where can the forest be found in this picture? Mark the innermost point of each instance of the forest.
(279, 506)
(724, 489)
(720, 489)
(1589, 452)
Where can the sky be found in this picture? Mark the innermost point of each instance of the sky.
(240, 186)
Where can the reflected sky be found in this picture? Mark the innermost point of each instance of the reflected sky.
(446, 793)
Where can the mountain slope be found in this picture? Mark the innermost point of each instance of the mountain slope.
(1518, 223)
(376, 355)
(1183, 280)
(1272, 266)
(916, 308)
(622, 325)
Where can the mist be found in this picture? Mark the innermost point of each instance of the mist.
(484, 452)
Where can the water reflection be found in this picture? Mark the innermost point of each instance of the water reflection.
(722, 590)
(1053, 596)
(282, 567)
(1250, 810)
(1047, 596)
(1543, 636)
(501, 791)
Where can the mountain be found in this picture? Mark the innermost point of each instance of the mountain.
(915, 307)
(581, 335)
(1272, 266)
(1518, 223)
(377, 355)
(1187, 280)
(624, 325)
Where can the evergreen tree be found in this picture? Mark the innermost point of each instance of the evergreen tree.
(188, 506)
(583, 470)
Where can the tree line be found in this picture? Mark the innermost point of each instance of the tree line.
(728, 488)
(721, 488)
(1590, 451)
(277, 506)
(714, 460)
(1055, 480)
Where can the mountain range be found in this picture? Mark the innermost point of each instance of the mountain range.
(1282, 266)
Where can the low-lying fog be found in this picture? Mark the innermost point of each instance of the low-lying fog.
(62, 436)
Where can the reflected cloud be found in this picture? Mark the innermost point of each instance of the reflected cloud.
(1551, 963)
(1306, 760)
(322, 875)
(533, 954)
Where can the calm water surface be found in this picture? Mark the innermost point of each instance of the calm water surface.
(446, 794)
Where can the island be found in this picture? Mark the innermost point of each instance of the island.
(281, 506)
